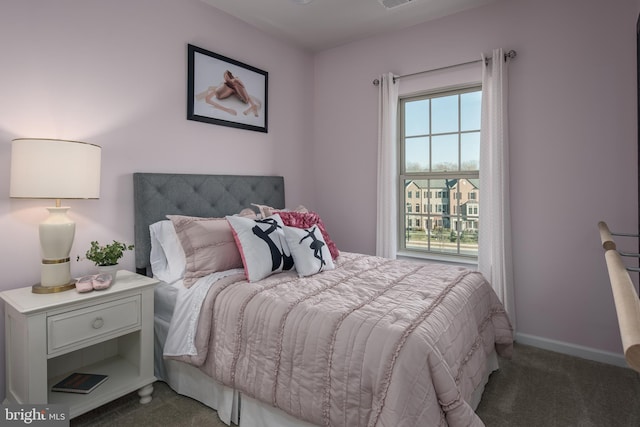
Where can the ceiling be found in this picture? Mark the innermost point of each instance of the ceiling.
(323, 24)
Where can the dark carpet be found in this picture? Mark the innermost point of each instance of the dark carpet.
(535, 388)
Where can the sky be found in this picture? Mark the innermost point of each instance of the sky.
(440, 120)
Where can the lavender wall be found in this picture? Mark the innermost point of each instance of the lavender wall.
(114, 74)
(573, 147)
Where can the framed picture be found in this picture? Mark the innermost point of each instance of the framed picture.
(226, 92)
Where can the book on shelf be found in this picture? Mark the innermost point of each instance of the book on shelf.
(79, 383)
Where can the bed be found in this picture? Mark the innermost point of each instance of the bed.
(369, 341)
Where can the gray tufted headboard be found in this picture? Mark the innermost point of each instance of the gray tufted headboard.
(156, 195)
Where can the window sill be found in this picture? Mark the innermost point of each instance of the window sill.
(414, 256)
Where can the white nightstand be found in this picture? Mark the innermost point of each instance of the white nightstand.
(48, 336)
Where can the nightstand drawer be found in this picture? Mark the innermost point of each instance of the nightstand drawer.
(88, 325)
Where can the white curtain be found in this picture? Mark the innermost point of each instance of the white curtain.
(494, 252)
(387, 204)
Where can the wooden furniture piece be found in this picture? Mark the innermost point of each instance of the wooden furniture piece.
(625, 297)
(49, 336)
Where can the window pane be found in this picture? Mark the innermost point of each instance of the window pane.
(470, 110)
(469, 236)
(440, 213)
(416, 154)
(416, 221)
(445, 153)
(470, 151)
(444, 114)
(438, 232)
(416, 118)
(465, 220)
(469, 240)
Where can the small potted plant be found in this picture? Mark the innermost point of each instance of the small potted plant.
(106, 257)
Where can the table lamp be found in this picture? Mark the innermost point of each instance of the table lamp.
(55, 169)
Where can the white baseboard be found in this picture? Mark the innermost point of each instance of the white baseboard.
(573, 350)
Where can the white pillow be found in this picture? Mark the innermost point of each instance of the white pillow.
(168, 261)
(262, 245)
(310, 252)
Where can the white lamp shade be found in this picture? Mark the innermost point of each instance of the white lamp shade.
(54, 169)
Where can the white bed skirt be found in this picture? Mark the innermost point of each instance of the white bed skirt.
(190, 381)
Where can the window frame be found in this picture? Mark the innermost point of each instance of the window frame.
(428, 217)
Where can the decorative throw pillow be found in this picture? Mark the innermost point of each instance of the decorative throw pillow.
(208, 246)
(262, 246)
(306, 220)
(309, 250)
(167, 259)
(267, 211)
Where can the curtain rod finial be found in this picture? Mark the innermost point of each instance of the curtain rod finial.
(376, 82)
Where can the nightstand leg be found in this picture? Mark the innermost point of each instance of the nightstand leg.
(145, 394)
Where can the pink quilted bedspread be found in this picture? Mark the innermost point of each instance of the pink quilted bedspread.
(373, 343)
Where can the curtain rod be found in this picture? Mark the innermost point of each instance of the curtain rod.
(509, 55)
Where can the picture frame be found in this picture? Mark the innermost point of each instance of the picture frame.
(226, 92)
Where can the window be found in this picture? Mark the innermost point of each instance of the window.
(440, 156)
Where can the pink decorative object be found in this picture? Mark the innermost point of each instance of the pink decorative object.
(84, 284)
(102, 281)
(306, 220)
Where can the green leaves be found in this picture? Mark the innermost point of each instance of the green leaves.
(107, 254)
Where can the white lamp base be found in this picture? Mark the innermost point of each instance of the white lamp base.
(56, 238)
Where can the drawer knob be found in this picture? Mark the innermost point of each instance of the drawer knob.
(97, 323)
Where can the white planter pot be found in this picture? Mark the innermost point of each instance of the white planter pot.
(109, 269)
